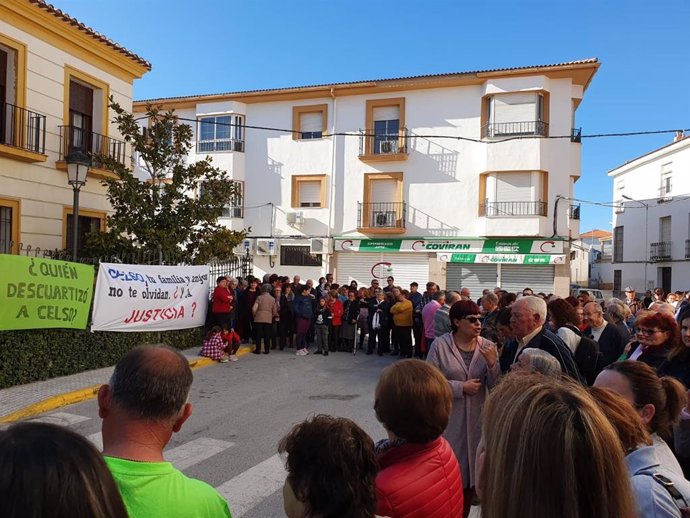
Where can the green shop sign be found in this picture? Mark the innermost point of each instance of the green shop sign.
(528, 259)
(423, 245)
(42, 293)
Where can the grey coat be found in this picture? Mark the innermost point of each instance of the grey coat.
(464, 427)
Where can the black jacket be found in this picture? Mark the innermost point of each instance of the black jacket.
(552, 344)
(384, 315)
(611, 343)
(350, 311)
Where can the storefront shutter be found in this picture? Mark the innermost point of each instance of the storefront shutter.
(517, 277)
(476, 277)
(405, 268)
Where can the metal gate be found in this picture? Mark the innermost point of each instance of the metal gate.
(515, 278)
(476, 277)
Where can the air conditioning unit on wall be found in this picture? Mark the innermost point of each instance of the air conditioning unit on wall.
(295, 218)
(389, 147)
(265, 247)
(383, 218)
(319, 245)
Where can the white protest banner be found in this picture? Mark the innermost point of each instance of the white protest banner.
(132, 297)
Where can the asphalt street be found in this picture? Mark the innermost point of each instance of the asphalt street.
(242, 409)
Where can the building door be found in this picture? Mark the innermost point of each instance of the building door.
(617, 277)
(664, 276)
(3, 95)
(80, 118)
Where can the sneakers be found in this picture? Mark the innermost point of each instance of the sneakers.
(233, 358)
(301, 352)
(224, 359)
(318, 352)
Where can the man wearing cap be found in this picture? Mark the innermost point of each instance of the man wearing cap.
(631, 300)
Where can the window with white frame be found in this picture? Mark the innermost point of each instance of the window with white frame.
(514, 193)
(666, 180)
(220, 133)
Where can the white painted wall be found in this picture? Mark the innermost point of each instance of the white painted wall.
(641, 177)
(41, 188)
(441, 176)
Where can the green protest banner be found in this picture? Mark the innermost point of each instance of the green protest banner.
(42, 293)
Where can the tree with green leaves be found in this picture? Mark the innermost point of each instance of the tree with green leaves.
(175, 211)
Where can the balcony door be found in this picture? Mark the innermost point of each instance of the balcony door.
(4, 112)
(80, 118)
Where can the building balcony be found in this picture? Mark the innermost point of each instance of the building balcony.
(687, 248)
(574, 212)
(22, 134)
(512, 208)
(94, 145)
(515, 129)
(660, 251)
(217, 146)
(379, 147)
(382, 217)
(576, 135)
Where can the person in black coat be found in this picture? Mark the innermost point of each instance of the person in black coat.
(348, 333)
(609, 337)
(378, 320)
(528, 316)
(285, 320)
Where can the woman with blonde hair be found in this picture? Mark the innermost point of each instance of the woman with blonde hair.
(549, 452)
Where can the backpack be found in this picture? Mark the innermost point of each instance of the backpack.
(587, 356)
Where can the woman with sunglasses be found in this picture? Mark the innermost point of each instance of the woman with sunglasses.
(470, 364)
(656, 334)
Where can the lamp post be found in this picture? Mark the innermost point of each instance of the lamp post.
(646, 240)
(77, 168)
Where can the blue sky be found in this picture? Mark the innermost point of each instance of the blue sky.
(211, 46)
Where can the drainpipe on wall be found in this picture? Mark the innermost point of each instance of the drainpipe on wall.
(331, 205)
(555, 215)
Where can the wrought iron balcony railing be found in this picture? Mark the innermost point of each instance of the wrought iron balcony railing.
(576, 135)
(513, 208)
(381, 215)
(372, 143)
(515, 129)
(687, 248)
(574, 212)
(94, 145)
(660, 251)
(22, 128)
(213, 146)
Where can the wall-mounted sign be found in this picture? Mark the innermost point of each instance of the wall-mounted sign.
(486, 246)
(528, 259)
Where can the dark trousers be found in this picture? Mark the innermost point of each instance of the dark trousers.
(378, 339)
(283, 333)
(321, 337)
(264, 335)
(394, 338)
(404, 338)
(333, 338)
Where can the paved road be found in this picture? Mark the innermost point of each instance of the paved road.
(242, 409)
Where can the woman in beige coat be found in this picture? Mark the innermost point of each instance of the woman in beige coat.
(470, 364)
(264, 311)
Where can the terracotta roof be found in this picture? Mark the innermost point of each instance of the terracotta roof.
(597, 233)
(88, 30)
(593, 61)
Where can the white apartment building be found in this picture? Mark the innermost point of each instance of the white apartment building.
(56, 75)
(451, 178)
(651, 220)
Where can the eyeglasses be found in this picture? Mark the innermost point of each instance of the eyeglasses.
(472, 320)
(647, 332)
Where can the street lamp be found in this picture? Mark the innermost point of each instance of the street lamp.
(77, 168)
(646, 240)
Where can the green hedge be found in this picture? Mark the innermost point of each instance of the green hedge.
(38, 354)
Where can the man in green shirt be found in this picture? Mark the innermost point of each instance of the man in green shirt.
(142, 406)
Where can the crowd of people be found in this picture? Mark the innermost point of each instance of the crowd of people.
(528, 404)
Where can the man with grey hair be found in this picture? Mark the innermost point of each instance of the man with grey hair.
(465, 294)
(536, 360)
(527, 319)
(611, 341)
(144, 403)
(441, 318)
(489, 303)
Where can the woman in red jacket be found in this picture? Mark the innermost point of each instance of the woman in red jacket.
(419, 474)
(221, 304)
(336, 322)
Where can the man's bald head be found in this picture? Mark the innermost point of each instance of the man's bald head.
(151, 382)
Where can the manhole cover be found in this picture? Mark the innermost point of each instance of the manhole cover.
(338, 397)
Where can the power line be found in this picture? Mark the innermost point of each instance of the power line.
(414, 135)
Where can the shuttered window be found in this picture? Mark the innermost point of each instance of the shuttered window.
(311, 125)
(310, 194)
(514, 186)
(515, 108)
(618, 244)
